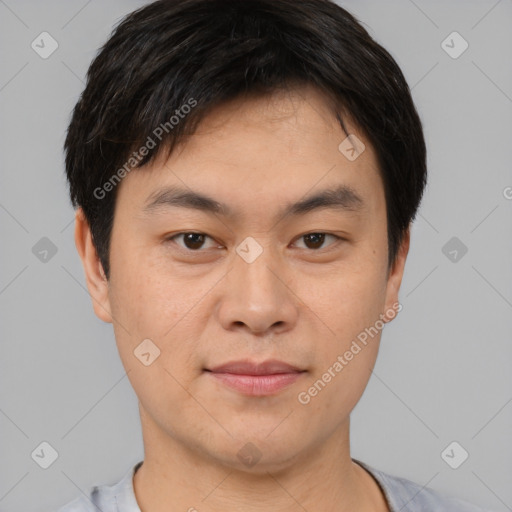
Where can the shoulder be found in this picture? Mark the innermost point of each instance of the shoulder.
(403, 494)
(80, 504)
(100, 497)
(119, 497)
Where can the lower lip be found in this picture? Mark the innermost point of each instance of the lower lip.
(257, 385)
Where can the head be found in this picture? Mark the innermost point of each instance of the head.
(284, 140)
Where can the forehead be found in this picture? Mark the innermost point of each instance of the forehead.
(247, 150)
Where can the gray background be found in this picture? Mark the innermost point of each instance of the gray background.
(444, 367)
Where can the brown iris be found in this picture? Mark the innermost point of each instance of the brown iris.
(314, 240)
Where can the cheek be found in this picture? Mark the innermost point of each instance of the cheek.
(348, 300)
(344, 363)
(150, 301)
(349, 304)
(143, 292)
(159, 350)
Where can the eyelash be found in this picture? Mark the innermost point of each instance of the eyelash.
(173, 237)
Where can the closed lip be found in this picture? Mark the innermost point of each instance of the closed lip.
(247, 367)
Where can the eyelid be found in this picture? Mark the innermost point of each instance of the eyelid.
(171, 238)
(337, 239)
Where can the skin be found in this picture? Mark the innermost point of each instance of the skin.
(297, 302)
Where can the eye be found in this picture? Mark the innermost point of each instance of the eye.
(195, 241)
(191, 241)
(316, 240)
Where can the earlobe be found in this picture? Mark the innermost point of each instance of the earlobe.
(95, 278)
(392, 306)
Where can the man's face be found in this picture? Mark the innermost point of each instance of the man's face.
(287, 293)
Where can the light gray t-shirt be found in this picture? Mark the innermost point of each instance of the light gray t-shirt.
(402, 496)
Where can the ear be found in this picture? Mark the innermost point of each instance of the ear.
(96, 280)
(395, 278)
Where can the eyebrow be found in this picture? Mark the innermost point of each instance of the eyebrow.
(342, 198)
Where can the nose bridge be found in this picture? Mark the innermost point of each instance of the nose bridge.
(255, 294)
(252, 268)
(260, 281)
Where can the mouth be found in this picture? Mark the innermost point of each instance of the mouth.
(256, 379)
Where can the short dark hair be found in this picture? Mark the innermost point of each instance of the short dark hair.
(202, 53)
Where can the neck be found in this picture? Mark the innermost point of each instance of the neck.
(323, 477)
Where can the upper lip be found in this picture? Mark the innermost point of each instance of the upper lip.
(246, 367)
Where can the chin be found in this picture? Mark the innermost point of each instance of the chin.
(256, 454)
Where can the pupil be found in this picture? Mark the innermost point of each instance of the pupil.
(194, 240)
(316, 239)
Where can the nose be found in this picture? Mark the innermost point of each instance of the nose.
(255, 297)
